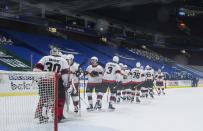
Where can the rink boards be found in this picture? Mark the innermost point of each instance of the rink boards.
(27, 87)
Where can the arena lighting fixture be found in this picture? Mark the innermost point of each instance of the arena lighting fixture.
(183, 51)
(52, 29)
(144, 47)
(104, 39)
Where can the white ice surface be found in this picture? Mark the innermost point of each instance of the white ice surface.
(179, 110)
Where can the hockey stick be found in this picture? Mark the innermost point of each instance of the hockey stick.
(83, 63)
(108, 93)
(84, 101)
(84, 82)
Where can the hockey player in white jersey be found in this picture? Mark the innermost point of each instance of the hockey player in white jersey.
(52, 63)
(74, 73)
(159, 77)
(110, 79)
(137, 80)
(94, 73)
(126, 83)
(119, 86)
(149, 74)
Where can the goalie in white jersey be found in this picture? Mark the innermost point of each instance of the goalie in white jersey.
(95, 74)
(52, 63)
(110, 80)
(159, 77)
(137, 80)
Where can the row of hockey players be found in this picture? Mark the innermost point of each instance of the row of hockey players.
(139, 81)
(114, 77)
(119, 79)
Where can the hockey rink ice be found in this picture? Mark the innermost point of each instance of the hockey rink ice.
(181, 109)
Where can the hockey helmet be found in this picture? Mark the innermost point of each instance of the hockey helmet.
(138, 64)
(116, 59)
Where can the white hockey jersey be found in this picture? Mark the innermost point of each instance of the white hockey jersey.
(137, 75)
(53, 64)
(149, 74)
(159, 77)
(126, 78)
(92, 79)
(112, 73)
(72, 72)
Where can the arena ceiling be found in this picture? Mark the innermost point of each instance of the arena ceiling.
(151, 16)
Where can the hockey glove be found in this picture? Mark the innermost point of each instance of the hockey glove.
(125, 77)
(85, 73)
(77, 73)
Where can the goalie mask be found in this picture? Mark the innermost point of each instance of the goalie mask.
(54, 52)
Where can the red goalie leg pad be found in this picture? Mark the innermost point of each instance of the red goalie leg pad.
(61, 102)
